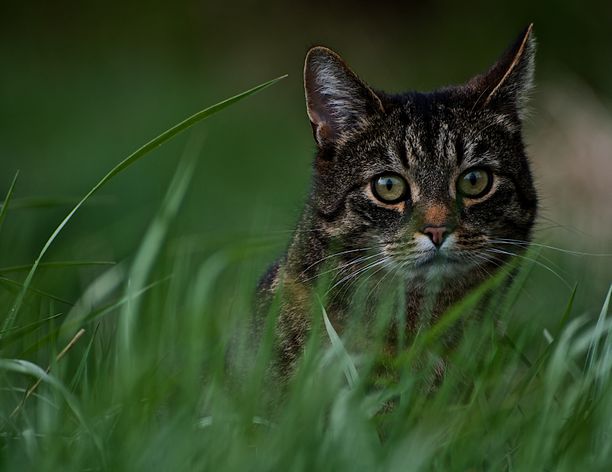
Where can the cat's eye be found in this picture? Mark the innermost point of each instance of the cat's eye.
(389, 188)
(474, 183)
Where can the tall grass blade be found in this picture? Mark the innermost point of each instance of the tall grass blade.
(128, 161)
(98, 290)
(14, 284)
(54, 265)
(7, 199)
(348, 366)
(454, 313)
(152, 243)
(43, 202)
(593, 350)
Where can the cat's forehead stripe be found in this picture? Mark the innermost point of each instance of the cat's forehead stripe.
(403, 154)
(459, 150)
(411, 147)
(442, 140)
(438, 143)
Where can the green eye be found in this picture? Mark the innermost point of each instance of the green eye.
(389, 188)
(474, 183)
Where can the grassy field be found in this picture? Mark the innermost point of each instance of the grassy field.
(133, 374)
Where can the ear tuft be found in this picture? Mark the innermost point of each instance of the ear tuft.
(337, 101)
(507, 84)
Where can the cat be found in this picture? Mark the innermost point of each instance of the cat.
(422, 185)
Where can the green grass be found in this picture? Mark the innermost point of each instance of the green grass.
(138, 375)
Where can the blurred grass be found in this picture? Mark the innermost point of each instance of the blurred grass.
(85, 83)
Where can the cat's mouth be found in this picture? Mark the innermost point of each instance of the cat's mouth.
(437, 263)
(435, 259)
(425, 260)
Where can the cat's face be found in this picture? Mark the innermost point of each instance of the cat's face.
(430, 184)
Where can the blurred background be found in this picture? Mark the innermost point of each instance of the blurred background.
(83, 84)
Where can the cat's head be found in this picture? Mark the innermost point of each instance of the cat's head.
(437, 183)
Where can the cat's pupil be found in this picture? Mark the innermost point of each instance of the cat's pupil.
(389, 184)
(473, 178)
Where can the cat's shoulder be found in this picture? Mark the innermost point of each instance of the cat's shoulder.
(269, 281)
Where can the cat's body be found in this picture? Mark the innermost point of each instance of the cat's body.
(420, 187)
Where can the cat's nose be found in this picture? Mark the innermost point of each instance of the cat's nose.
(437, 234)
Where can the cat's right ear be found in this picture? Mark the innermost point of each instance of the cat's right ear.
(507, 84)
(338, 102)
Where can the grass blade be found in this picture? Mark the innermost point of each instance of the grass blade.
(152, 243)
(7, 199)
(128, 161)
(593, 350)
(350, 371)
(14, 284)
(44, 202)
(54, 265)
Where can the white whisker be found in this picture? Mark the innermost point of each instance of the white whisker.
(334, 255)
(356, 274)
(518, 242)
(535, 261)
(343, 267)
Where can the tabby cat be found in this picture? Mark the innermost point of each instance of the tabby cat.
(423, 186)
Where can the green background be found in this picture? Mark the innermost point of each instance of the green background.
(85, 83)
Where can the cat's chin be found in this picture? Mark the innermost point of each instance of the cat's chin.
(437, 265)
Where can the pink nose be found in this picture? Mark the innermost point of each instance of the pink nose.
(436, 234)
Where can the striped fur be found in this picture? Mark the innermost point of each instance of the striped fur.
(428, 139)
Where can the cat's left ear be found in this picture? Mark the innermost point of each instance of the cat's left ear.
(338, 102)
(506, 85)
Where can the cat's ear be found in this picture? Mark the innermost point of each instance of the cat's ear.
(338, 102)
(507, 84)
